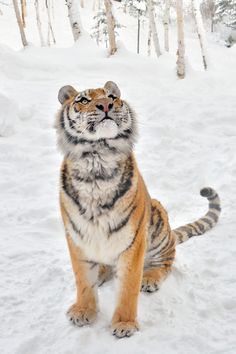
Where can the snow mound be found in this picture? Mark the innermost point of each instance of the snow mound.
(8, 116)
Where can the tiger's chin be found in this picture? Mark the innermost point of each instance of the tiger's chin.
(107, 129)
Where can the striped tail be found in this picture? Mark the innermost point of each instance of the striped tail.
(207, 222)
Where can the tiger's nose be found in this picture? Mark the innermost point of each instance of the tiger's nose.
(105, 107)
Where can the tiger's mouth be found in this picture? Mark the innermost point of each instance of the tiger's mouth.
(106, 118)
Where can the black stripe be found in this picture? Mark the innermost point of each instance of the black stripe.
(171, 246)
(93, 265)
(158, 264)
(62, 118)
(187, 229)
(159, 244)
(122, 223)
(111, 148)
(136, 232)
(214, 196)
(154, 212)
(207, 221)
(212, 215)
(194, 228)
(123, 186)
(200, 226)
(125, 135)
(84, 141)
(162, 250)
(74, 226)
(69, 189)
(70, 120)
(89, 262)
(70, 137)
(167, 259)
(215, 206)
(158, 226)
(199, 231)
(131, 203)
(179, 236)
(103, 176)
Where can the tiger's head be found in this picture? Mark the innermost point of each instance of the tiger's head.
(95, 119)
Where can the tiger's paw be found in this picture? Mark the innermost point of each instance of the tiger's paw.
(81, 316)
(149, 285)
(124, 329)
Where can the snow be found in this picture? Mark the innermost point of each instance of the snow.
(8, 116)
(187, 140)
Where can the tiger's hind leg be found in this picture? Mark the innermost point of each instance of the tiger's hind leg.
(161, 249)
(153, 277)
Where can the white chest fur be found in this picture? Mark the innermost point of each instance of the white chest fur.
(94, 237)
(93, 211)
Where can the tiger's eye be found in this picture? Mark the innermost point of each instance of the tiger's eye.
(113, 97)
(84, 101)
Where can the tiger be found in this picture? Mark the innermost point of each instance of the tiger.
(114, 229)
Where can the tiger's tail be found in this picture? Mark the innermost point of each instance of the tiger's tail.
(202, 225)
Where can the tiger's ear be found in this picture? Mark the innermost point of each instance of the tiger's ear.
(112, 88)
(65, 93)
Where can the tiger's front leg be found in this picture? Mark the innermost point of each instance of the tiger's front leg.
(84, 311)
(129, 273)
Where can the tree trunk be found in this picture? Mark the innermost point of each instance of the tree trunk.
(200, 31)
(73, 14)
(50, 29)
(21, 28)
(212, 23)
(149, 40)
(36, 5)
(23, 11)
(111, 27)
(94, 5)
(166, 21)
(53, 9)
(82, 3)
(181, 47)
(153, 27)
(138, 34)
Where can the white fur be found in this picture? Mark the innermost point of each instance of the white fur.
(107, 129)
(96, 244)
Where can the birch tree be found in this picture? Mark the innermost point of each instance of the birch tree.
(50, 29)
(95, 2)
(36, 5)
(23, 11)
(166, 21)
(181, 46)
(200, 31)
(73, 14)
(149, 40)
(153, 27)
(208, 10)
(110, 27)
(20, 24)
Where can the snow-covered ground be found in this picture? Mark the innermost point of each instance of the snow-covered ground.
(187, 140)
